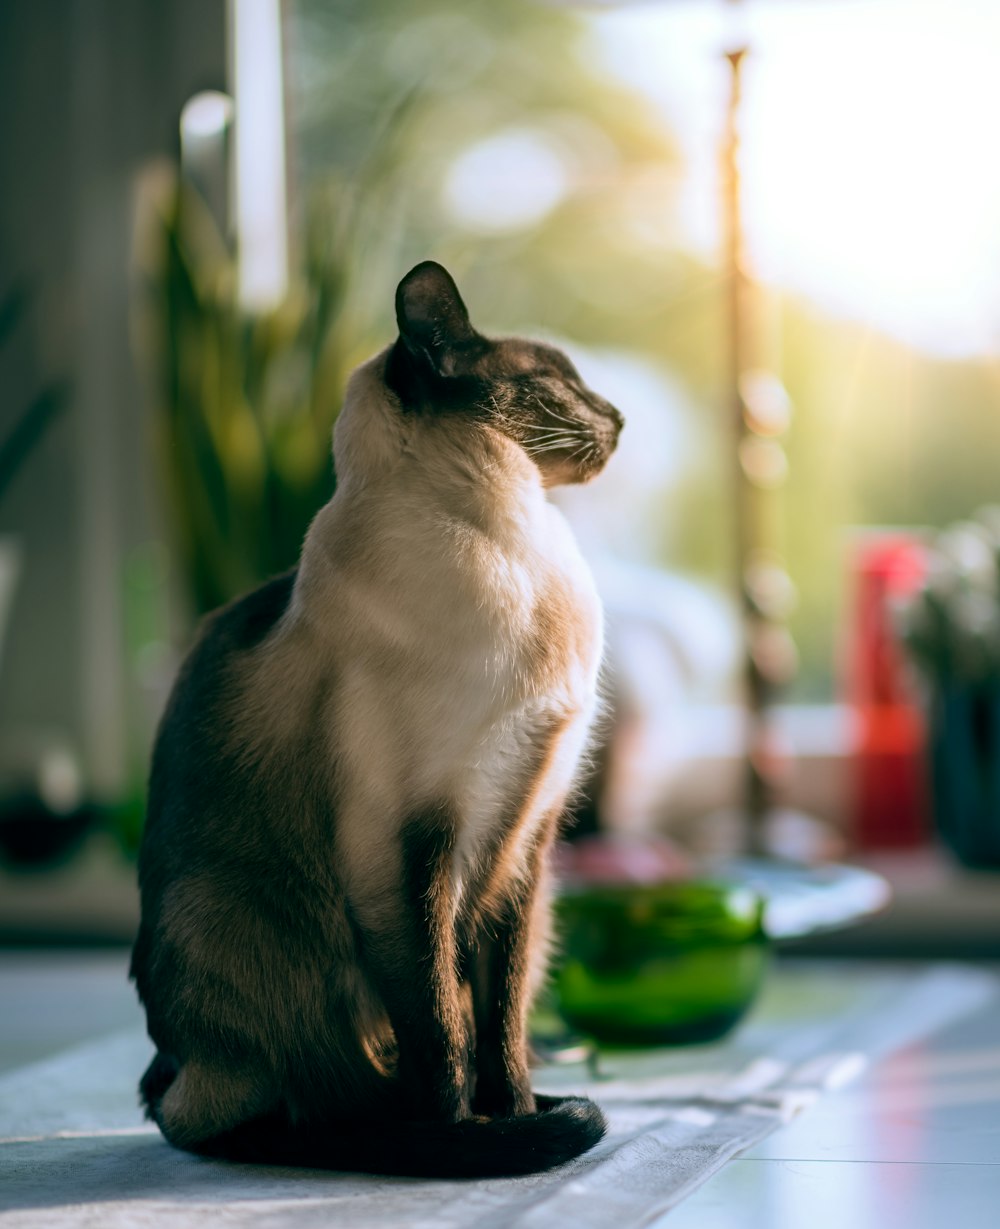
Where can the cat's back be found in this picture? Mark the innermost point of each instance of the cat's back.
(191, 775)
(210, 672)
(235, 628)
(217, 873)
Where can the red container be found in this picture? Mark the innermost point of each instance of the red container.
(889, 763)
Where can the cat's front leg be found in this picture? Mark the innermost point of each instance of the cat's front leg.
(408, 943)
(502, 971)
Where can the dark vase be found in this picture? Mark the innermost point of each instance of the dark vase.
(965, 770)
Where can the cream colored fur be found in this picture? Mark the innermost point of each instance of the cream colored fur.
(447, 596)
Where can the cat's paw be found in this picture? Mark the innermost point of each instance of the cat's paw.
(504, 1101)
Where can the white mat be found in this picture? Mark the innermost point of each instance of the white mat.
(74, 1151)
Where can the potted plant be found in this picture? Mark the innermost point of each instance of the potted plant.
(952, 630)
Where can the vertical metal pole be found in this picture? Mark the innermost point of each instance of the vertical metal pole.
(757, 788)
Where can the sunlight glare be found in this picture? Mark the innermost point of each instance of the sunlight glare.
(507, 182)
(870, 178)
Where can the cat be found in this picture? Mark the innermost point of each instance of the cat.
(358, 777)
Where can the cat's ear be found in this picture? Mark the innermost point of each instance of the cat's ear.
(433, 322)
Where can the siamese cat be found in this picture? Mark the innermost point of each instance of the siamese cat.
(360, 773)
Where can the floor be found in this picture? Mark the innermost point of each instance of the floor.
(55, 999)
(913, 1144)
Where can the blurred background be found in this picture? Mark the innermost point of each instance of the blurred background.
(204, 211)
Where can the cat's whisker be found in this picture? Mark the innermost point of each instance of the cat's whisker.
(549, 437)
(561, 433)
(556, 441)
(557, 447)
(561, 417)
(553, 413)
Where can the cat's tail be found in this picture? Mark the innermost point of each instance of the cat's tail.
(562, 1129)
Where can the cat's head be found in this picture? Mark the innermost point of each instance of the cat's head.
(530, 392)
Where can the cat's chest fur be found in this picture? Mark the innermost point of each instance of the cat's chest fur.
(504, 627)
(462, 652)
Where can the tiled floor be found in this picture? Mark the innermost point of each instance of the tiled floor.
(914, 1144)
(50, 1000)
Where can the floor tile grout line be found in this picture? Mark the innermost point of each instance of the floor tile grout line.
(836, 1160)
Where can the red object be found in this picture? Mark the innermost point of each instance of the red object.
(890, 779)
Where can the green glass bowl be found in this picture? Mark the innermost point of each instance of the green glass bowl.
(654, 964)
